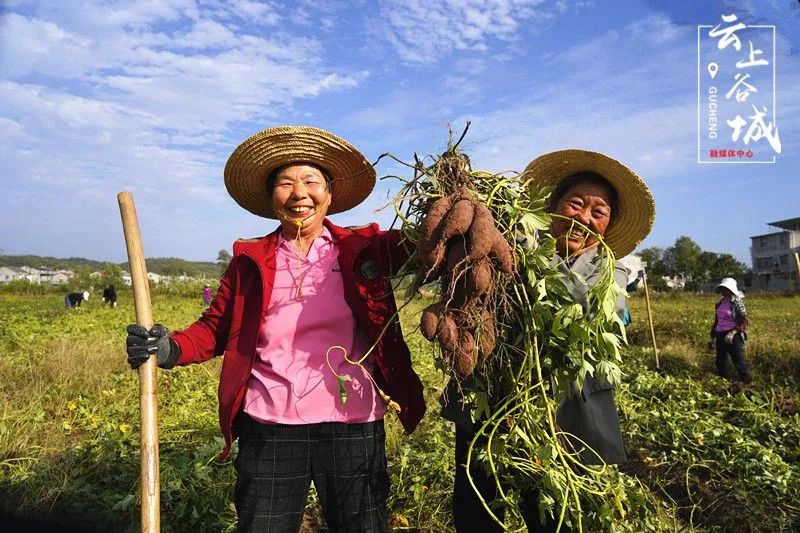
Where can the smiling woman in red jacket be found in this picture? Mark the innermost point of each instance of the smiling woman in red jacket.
(293, 310)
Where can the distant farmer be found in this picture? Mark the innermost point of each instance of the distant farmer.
(729, 330)
(630, 288)
(109, 296)
(74, 299)
(614, 202)
(294, 310)
(207, 295)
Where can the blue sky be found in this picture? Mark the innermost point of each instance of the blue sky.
(152, 97)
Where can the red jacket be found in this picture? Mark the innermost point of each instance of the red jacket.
(231, 324)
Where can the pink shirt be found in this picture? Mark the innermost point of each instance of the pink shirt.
(725, 321)
(291, 382)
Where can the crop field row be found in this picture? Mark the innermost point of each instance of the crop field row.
(700, 456)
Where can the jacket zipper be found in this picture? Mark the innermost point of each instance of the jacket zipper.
(252, 355)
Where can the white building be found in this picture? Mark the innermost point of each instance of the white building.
(772, 256)
(60, 277)
(633, 263)
(10, 274)
(35, 275)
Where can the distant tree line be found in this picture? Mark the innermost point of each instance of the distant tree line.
(173, 266)
(685, 259)
(165, 266)
(53, 263)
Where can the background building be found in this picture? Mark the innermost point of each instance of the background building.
(773, 257)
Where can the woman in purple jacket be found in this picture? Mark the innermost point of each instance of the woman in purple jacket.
(729, 330)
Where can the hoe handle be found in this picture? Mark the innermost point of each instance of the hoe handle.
(148, 406)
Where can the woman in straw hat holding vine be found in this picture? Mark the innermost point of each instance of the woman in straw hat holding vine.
(308, 324)
(594, 195)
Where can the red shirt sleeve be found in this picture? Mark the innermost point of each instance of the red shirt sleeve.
(208, 335)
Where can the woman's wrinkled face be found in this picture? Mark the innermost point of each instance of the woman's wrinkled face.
(588, 203)
(301, 198)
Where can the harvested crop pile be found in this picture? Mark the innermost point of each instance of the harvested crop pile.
(505, 319)
(459, 243)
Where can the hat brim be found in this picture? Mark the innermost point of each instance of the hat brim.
(352, 176)
(634, 216)
(733, 289)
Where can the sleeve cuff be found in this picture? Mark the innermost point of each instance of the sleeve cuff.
(174, 355)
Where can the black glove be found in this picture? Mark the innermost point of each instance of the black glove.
(141, 343)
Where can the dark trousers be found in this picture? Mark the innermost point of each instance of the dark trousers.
(277, 462)
(736, 353)
(468, 512)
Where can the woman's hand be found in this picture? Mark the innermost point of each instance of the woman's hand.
(141, 344)
(730, 336)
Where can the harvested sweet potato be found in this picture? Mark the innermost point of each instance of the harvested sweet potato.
(465, 357)
(479, 278)
(448, 333)
(501, 252)
(426, 276)
(459, 240)
(429, 236)
(455, 270)
(435, 257)
(429, 323)
(458, 296)
(481, 233)
(456, 255)
(457, 220)
(487, 335)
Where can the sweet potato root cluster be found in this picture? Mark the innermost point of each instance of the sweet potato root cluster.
(460, 243)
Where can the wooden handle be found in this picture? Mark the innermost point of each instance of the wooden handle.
(148, 405)
(650, 319)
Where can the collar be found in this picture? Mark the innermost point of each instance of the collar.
(350, 241)
(325, 235)
(590, 256)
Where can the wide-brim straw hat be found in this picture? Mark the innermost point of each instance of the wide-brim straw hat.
(636, 210)
(352, 176)
(731, 285)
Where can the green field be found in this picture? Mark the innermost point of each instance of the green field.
(700, 457)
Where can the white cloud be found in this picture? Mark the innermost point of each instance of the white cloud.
(99, 97)
(260, 11)
(643, 112)
(207, 34)
(319, 14)
(424, 32)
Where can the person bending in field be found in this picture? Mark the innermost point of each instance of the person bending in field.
(729, 330)
(74, 299)
(109, 296)
(613, 202)
(293, 310)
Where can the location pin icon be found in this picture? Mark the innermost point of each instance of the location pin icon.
(713, 68)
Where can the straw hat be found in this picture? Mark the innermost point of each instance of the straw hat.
(352, 176)
(730, 284)
(633, 217)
